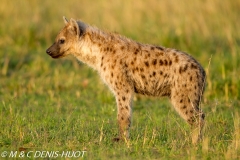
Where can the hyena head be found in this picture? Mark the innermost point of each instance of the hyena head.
(67, 39)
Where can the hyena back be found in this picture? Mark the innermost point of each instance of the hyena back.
(129, 67)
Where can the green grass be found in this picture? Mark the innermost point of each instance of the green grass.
(61, 105)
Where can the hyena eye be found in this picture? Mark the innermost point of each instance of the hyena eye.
(61, 41)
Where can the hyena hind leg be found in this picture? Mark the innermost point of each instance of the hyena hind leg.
(187, 106)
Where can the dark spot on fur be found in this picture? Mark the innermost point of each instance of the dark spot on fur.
(176, 59)
(190, 121)
(112, 74)
(126, 107)
(123, 98)
(184, 107)
(135, 89)
(160, 62)
(191, 111)
(186, 112)
(161, 72)
(181, 101)
(152, 48)
(122, 118)
(191, 78)
(194, 66)
(180, 70)
(143, 77)
(185, 68)
(136, 51)
(147, 64)
(165, 62)
(122, 47)
(159, 48)
(197, 75)
(154, 73)
(154, 62)
(170, 62)
(132, 63)
(141, 69)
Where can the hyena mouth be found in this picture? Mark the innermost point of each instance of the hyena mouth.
(56, 56)
(53, 55)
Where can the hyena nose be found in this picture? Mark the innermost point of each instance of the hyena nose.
(48, 51)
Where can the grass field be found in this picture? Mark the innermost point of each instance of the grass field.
(62, 105)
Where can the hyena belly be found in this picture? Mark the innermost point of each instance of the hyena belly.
(150, 72)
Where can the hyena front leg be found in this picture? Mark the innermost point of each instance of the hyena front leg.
(124, 108)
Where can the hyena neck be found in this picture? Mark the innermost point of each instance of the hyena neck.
(90, 47)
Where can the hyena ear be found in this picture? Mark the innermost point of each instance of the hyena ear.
(74, 26)
(65, 20)
(82, 27)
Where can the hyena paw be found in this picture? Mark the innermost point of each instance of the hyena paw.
(116, 139)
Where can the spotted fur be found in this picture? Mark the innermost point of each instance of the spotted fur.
(129, 67)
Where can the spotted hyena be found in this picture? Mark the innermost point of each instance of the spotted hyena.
(129, 67)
